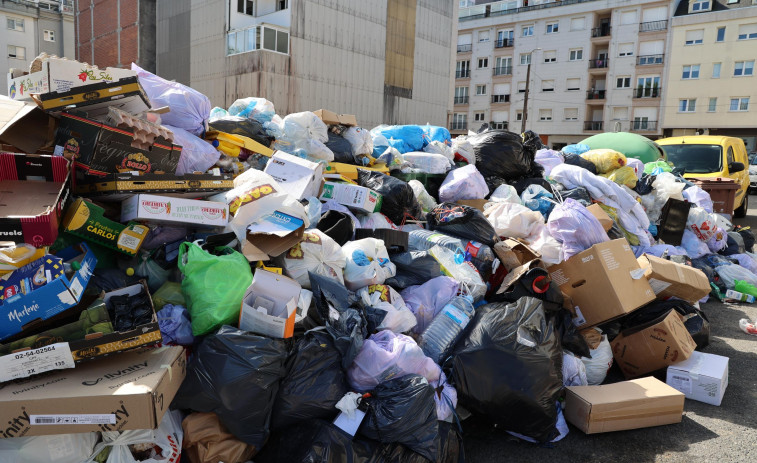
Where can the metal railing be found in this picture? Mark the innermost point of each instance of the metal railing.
(651, 26)
(648, 92)
(601, 31)
(464, 74)
(461, 99)
(503, 71)
(647, 60)
(504, 43)
(522, 9)
(596, 94)
(643, 126)
(593, 126)
(464, 48)
(599, 63)
(500, 98)
(459, 126)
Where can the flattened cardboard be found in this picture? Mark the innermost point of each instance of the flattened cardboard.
(601, 215)
(132, 390)
(639, 403)
(24, 125)
(703, 377)
(670, 279)
(512, 253)
(283, 291)
(604, 282)
(163, 209)
(299, 177)
(653, 345)
(117, 187)
(126, 94)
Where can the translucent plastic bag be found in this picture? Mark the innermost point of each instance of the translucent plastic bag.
(637, 166)
(169, 293)
(164, 443)
(463, 183)
(605, 160)
(513, 220)
(548, 159)
(573, 370)
(428, 299)
(537, 198)
(599, 364)
(657, 167)
(175, 326)
(408, 137)
(57, 448)
(429, 163)
(575, 227)
(367, 263)
(578, 148)
(435, 133)
(316, 253)
(426, 201)
(259, 109)
(361, 141)
(549, 248)
(197, 155)
(453, 265)
(377, 220)
(439, 147)
(623, 176)
(306, 132)
(746, 261)
(399, 318)
(695, 194)
(701, 223)
(692, 245)
(730, 273)
(718, 241)
(505, 194)
(464, 149)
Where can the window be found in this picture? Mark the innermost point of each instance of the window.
(519, 115)
(739, 104)
(459, 121)
(625, 49)
(694, 37)
(699, 5)
(504, 66)
(483, 63)
(687, 106)
(525, 58)
(578, 24)
(48, 35)
(479, 117)
(623, 82)
(620, 113)
(733, 1)
(550, 56)
(246, 7)
(690, 72)
(628, 17)
(712, 106)
(282, 5)
(15, 24)
(461, 95)
(275, 40)
(642, 123)
(547, 85)
(480, 89)
(552, 28)
(545, 114)
(721, 34)
(527, 31)
(743, 68)
(483, 36)
(747, 31)
(577, 54)
(571, 114)
(16, 52)
(573, 83)
(716, 70)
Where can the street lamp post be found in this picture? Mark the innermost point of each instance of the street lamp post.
(528, 84)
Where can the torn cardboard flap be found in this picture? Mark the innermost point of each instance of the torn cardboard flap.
(272, 235)
(513, 253)
(601, 215)
(24, 125)
(515, 274)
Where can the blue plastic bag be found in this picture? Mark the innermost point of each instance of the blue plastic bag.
(175, 325)
(537, 198)
(407, 138)
(436, 133)
(578, 148)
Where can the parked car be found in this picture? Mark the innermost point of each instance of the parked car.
(712, 156)
(752, 173)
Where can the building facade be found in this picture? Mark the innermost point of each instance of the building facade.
(31, 27)
(387, 61)
(596, 66)
(712, 83)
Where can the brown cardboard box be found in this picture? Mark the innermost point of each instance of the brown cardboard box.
(474, 203)
(512, 253)
(605, 282)
(332, 118)
(640, 403)
(669, 279)
(127, 391)
(601, 215)
(653, 345)
(24, 125)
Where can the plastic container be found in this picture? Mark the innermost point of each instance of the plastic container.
(731, 294)
(443, 332)
(481, 255)
(722, 191)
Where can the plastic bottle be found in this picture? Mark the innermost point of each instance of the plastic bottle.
(443, 332)
(731, 294)
(481, 255)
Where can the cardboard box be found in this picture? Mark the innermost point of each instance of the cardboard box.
(100, 149)
(349, 171)
(332, 118)
(299, 177)
(653, 345)
(479, 204)
(601, 215)
(283, 292)
(61, 75)
(164, 209)
(640, 403)
(604, 282)
(353, 196)
(117, 187)
(21, 310)
(512, 253)
(33, 192)
(703, 377)
(272, 235)
(126, 94)
(24, 125)
(128, 391)
(670, 279)
(86, 220)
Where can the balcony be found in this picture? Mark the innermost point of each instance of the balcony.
(601, 31)
(602, 63)
(464, 74)
(503, 71)
(649, 60)
(461, 99)
(498, 125)
(464, 48)
(459, 126)
(596, 94)
(653, 26)
(593, 126)
(504, 43)
(500, 99)
(643, 126)
(649, 92)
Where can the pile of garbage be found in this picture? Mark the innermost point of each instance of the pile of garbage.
(210, 285)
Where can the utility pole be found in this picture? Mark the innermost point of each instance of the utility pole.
(525, 95)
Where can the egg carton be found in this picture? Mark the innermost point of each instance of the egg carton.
(145, 132)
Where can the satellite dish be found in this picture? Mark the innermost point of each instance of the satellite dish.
(617, 126)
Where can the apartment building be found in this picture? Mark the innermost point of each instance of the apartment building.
(30, 27)
(596, 65)
(712, 84)
(386, 61)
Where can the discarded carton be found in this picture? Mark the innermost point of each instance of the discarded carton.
(639, 403)
(166, 209)
(86, 220)
(604, 282)
(703, 377)
(353, 196)
(479, 204)
(24, 125)
(126, 94)
(670, 279)
(332, 118)
(272, 235)
(512, 253)
(117, 187)
(299, 177)
(601, 215)
(128, 391)
(269, 306)
(653, 345)
(349, 171)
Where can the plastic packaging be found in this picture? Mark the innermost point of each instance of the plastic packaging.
(429, 163)
(575, 227)
(623, 176)
(657, 167)
(745, 288)
(57, 448)
(748, 326)
(341, 148)
(407, 137)
(605, 160)
(695, 194)
(637, 166)
(577, 148)
(428, 299)
(573, 370)
(718, 241)
(464, 149)
(464, 222)
(501, 156)
(463, 272)
(536, 198)
(304, 131)
(399, 318)
(446, 328)
(701, 223)
(316, 253)
(398, 200)
(161, 445)
(548, 159)
(169, 293)
(376, 221)
(367, 263)
(206, 440)
(439, 147)
(463, 183)
(513, 220)
(175, 326)
(426, 201)
(258, 109)
(481, 255)
(599, 363)
(360, 140)
(505, 194)
(731, 294)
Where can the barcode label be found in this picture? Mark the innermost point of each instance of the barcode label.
(44, 420)
(71, 419)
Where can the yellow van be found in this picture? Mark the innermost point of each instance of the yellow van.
(712, 156)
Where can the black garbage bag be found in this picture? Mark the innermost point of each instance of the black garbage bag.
(110, 279)
(463, 222)
(341, 147)
(398, 200)
(696, 322)
(577, 160)
(532, 140)
(732, 246)
(747, 236)
(236, 375)
(314, 382)
(534, 283)
(242, 126)
(501, 154)
(703, 264)
(579, 194)
(509, 368)
(413, 268)
(402, 411)
(644, 185)
(337, 225)
(570, 339)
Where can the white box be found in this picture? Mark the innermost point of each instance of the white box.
(299, 177)
(283, 291)
(702, 377)
(165, 209)
(352, 196)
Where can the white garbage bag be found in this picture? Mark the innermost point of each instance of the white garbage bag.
(367, 263)
(398, 317)
(599, 364)
(317, 253)
(57, 448)
(463, 183)
(163, 443)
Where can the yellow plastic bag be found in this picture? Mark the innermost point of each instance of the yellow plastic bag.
(605, 160)
(632, 239)
(623, 176)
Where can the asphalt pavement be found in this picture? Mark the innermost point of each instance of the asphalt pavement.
(723, 434)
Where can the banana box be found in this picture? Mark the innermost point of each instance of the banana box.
(86, 220)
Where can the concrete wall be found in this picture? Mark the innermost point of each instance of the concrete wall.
(173, 48)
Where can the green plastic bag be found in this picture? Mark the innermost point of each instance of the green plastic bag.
(169, 293)
(746, 288)
(651, 166)
(213, 286)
